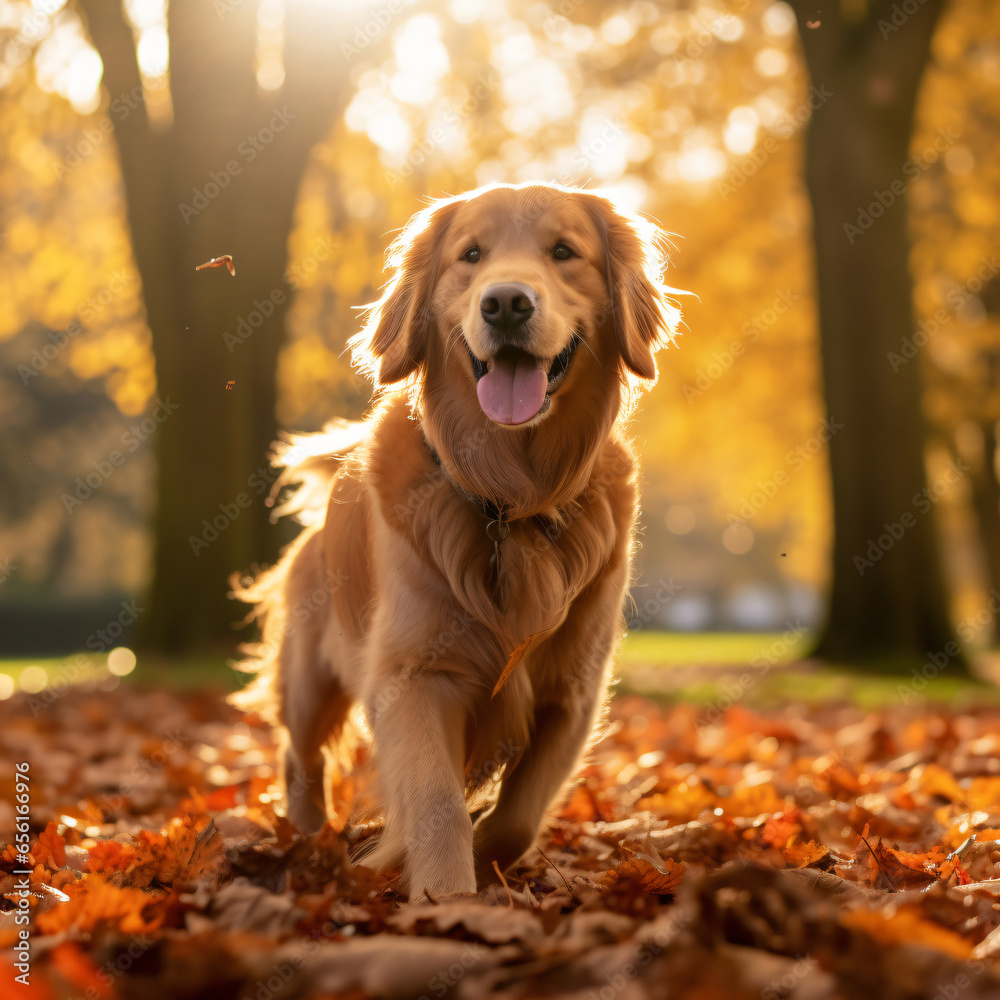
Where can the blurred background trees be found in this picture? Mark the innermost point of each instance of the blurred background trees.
(696, 113)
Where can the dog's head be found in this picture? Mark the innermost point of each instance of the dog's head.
(522, 296)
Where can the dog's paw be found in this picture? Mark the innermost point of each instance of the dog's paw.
(305, 815)
(498, 842)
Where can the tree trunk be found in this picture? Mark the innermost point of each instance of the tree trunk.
(888, 599)
(986, 503)
(222, 180)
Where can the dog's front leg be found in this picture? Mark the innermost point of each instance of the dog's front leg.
(570, 691)
(505, 833)
(419, 752)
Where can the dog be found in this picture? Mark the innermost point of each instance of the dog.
(464, 572)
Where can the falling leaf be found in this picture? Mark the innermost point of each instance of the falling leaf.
(225, 260)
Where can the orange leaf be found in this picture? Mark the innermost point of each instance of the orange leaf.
(984, 794)
(14, 990)
(782, 827)
(652, 880)
(906, 925)
(934, 780)
(97, 904)
(77, 968)
(110, 856)
(803, 854)
(50, 846)
(515, 659)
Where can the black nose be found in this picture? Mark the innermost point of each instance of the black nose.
(506, 307)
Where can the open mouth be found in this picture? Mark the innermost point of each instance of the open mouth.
(515, 387)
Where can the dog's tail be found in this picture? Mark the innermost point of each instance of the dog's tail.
(308, 462)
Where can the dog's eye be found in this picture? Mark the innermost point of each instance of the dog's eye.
(562, 252)
(472, 255)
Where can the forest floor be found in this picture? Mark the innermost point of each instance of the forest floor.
(718, 845)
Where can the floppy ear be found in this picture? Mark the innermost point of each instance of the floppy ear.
(393, 342)
(644, 319)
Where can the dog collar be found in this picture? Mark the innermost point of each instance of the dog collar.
(497, 515)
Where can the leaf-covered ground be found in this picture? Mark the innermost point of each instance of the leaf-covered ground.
(807, 852)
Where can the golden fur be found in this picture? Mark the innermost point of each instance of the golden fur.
(392, 598)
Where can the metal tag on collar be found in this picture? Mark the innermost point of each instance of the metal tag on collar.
(497, 530)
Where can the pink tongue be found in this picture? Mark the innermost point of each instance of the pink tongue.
(512, 391)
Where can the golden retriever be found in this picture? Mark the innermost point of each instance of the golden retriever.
(465, 576)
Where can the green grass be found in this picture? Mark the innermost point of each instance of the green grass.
(700, 668)
(758, 669)
(667, 649)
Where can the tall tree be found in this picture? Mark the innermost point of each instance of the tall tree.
(222, 180)
(888, 593)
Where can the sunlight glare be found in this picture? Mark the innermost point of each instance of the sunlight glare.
(270, 44)
(738, 539)
(144, 14)
(271, 73)
(680, 520)
(153, 51)
(418, 49)
(121, 661)
(740, 135)
(701, 163)
(618, 29)
(83, 80)
(390, 130)
(6, 686)
(602, 145)
(779, 19)
(771, 62)
(728, 28)
(516, 50)
(412, 88)
(540, 89)
(33, 679)
(469, 11)
(629, 192)
(48, 7)
(67, 64)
